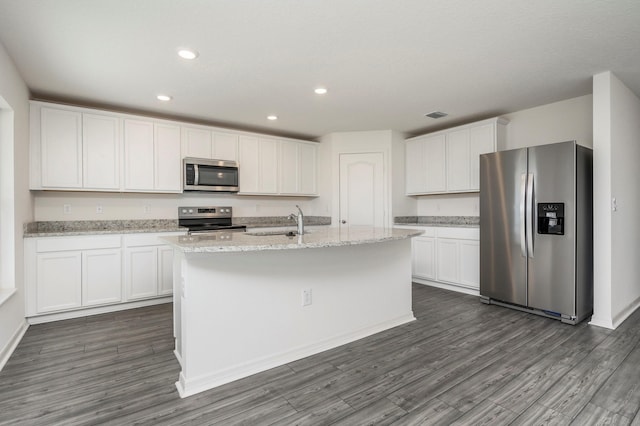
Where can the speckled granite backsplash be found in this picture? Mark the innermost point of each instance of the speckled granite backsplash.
(437, 220)
(266, 221)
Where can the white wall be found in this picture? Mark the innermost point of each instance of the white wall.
(388, 142)
(616, 175)
(49, 205)
(571, 119)
(15, 157)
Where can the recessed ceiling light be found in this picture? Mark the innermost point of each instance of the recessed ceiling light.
(164, 98)
(320, 91)
(187, 54)
(272, 117)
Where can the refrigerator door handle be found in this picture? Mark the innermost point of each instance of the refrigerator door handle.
(531, 213)
(523, 216)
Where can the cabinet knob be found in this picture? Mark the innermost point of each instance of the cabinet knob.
(343, 221)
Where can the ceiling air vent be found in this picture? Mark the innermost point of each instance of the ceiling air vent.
(436, 114)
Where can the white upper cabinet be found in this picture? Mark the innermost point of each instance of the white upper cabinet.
(449, 160)
(203, 143)
(258, 165)
(196, 142)
(277, 167)
(152, 156)
(82, 149)
(298, 168)
(166, 156)
(224, 146)
(101, 152)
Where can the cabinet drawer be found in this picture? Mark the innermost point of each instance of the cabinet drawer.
(88, 242)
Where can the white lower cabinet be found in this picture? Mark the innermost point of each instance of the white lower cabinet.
(447, 255)
(148, 266)
(81, 273)
(101, 276)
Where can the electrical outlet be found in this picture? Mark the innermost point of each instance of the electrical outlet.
(66, 208)
(99, 209)
(306, 297)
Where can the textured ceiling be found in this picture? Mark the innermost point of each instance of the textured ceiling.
(385, 62)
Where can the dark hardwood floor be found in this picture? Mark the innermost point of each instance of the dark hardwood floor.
(462, 362)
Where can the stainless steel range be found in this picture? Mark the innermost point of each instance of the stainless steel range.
(201, 220)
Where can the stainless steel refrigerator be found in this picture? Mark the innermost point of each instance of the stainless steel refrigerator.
(536, 230)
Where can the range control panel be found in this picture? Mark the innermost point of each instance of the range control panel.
(551, 218)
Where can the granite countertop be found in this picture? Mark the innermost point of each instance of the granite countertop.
(439, 221)
(99, 227)
(316, 238)
(102, 227)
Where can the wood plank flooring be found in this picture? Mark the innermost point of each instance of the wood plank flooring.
(462, 362)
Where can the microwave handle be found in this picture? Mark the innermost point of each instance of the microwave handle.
(196, 177)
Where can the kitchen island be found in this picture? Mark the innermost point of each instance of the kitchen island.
(248, 302)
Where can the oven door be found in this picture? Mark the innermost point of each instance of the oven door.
(210, 175)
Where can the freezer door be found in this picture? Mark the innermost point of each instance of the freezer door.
(552, 262)
(503, 259)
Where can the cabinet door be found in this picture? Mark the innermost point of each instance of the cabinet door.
(138, 155)
(470, 263)
(101, 152)
(269, 166)
(196, 142)
(258, 165)
(458, 160)
(225, 146)
(249, 164)
(434, 153)
(61, 148)
(447, 260)
(416, 171)
(289, 167)
(482, 140)
(101, 277)
(424, 261)
(165, 270)
(58, 281)
(167, 160)
(308, 169)
(141, 272)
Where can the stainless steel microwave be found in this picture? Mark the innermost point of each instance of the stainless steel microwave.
(202, 174)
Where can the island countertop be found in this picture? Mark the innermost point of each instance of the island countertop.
(258, 241)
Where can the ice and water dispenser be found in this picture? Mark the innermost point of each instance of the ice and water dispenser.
(551, 218)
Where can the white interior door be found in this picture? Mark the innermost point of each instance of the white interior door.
(362, 189)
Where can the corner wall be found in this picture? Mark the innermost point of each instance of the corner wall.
(15, 192)
(616, 173)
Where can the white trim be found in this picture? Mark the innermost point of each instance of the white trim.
(98, 310)
(12, 344)
(452, 287)
(5, 294)
(601, 322)
(191, 387)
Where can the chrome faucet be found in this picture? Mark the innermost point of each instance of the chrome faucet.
(299, 218)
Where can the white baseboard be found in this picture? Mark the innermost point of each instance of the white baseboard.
(97, 310)
(452, 287)
(11, 345)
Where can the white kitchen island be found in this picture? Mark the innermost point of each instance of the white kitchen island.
(240, 305)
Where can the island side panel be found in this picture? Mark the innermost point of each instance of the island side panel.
(242, 313)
